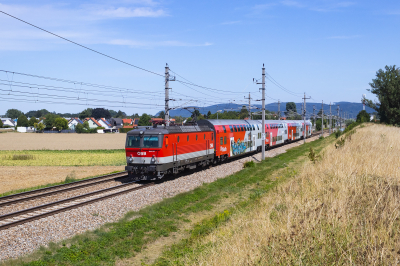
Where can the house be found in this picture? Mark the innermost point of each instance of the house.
(135, 122)
(73, 122)
(116, 122)
(8, 122)
(127, 121)
(92, 122)
(103, 122)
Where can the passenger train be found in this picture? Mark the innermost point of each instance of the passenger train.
(153, 152)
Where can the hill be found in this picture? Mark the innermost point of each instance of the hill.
(351, 108)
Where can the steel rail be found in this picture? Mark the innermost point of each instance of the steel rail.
(22, 194)
(18, 200)
(79, 204)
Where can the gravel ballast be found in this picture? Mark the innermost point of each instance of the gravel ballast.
(28, 237)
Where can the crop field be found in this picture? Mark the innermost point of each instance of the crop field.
(342, 207)
(54, 141)
(63, 158)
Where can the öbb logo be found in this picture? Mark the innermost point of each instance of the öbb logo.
(141, 153)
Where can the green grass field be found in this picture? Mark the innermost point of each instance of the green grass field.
(63, 158)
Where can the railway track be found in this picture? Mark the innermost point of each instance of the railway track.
(44, 192)
(38, 212)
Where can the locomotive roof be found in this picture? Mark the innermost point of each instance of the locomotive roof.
(168, 130)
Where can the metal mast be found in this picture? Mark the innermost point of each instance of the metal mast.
(304, 114)
(279, 110)
(330, 118)
(322, 126)
(249, 106)
(263, 115)
(166, 95)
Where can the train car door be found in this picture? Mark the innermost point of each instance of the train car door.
(270, 139)
(254, 142)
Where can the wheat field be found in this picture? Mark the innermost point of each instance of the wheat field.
(344, 209)
(54, 141)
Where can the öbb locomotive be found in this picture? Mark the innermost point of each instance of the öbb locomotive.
(153, 152)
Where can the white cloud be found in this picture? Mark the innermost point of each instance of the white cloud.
(125, 12)
(141, 44)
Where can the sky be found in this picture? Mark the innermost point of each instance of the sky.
(330, 50)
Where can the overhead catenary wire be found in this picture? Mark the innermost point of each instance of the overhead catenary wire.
(83, 46)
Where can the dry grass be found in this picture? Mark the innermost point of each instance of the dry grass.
(344, 209)
(53, 141)
(14, 178)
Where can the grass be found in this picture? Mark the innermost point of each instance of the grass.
(343, 208)
(128, 237)
(63, 158)
(68, 179)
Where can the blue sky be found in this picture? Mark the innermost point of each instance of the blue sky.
(329, 49)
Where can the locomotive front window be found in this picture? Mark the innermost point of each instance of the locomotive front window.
(133, 141)
(150, 141)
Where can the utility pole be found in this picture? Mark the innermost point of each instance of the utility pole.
(314, 116)
(330, 118)
(263, 114)
(304, 114)
(167, 88)
(249, 105)
(337, 118)
(279, 110)
(322, 126)
(341, 117)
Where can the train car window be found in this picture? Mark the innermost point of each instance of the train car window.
(231, 128)
(241, 128)
(221, 141)
(225, 140)
(196, 137)
(178, 138)
(258, 128)
(133, 141)
(150, 141)
(234, 127)
(254, 128)
(188, 138)
(224, 129)
(204, 136)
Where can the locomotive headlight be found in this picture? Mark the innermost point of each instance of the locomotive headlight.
(130, 158)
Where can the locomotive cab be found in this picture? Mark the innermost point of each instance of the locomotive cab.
(143, 151)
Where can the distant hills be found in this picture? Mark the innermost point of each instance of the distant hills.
(351, 108)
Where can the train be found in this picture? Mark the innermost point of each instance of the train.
(157, 151)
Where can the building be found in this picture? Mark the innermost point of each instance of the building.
(92, 122)
(104, 123)
(8, 122)
(116, 122)
(73, 122)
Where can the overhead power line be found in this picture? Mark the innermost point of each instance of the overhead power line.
(90, 49)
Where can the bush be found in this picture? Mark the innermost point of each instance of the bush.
(249, 164)
(1, 124)
(82, 129)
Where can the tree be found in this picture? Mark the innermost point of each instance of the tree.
(135, 115)
(363, 116)
(209, 114)
(39, 126)
(162, 115)
(79, 128)
(120, 114)
(291, 106)
(145, 120)
(22, 121)
(386, 87)
(243, 113)
(98, 113)
(86, 125)
(49, 121)
(13, 113)
(318, 125)
(32, 121)
(85, 113)
(196, 113)
(1, 124)
(60, 123)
